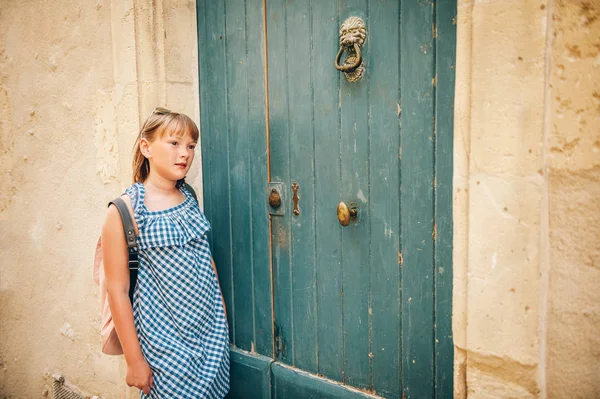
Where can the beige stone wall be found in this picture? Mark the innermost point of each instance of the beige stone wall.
(76, 78)
(573, 167)
(527, 207)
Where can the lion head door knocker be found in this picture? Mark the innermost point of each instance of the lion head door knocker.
(353, 34)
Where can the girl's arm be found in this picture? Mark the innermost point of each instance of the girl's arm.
(116, 271)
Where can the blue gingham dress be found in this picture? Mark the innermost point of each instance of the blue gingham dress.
(177, 306)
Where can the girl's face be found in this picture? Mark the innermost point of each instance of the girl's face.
(169, 155)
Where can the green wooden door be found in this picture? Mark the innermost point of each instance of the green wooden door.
(312, 304)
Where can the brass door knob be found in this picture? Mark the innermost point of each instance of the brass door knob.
(275, 199)
(346, 213)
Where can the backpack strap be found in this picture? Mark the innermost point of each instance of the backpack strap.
(130, 239)
(191, 190)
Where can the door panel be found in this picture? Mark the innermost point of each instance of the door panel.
(367, 305)
(355, 136)
(292, 161)
(215, 149)
(238, 135)
(346, 127)
(417, 94)
(292, 383)
(250, 375)
(326, 125)
(445, 41)
(384, 201)
(234, 161)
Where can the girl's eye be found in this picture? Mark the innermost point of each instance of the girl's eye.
(193, 146)
(174, 143)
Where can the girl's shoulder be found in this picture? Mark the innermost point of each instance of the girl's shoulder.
(135, 195)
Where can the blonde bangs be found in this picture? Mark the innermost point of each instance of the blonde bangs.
(180, 125)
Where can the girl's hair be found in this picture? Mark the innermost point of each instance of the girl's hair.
(161, 121)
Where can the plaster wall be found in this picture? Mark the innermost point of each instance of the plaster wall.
(76, 79)
(526, 310)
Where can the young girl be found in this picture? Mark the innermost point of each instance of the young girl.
(175, 336)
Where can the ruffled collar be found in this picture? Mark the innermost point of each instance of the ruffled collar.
(174, 226)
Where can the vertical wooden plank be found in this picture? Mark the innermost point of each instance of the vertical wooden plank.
(417, 95)
(214, 89)
(384, 82)
(205, 117)
(257, 152)
(327, 171)
(232, 90)
(445, 28)
(280, 156)
(239, 160)
(301, 138)
(355, 237)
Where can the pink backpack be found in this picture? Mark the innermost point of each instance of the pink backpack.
(110, 341)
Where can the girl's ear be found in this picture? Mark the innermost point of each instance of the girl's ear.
(145, 148)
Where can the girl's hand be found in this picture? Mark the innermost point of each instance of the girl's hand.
(139, 375)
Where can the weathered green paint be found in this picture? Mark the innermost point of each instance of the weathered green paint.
(250, 376)
(356, 262)
(326, 84)
(384, 83)
(280, 172)
(215, 146)
(234, 154)
(261, 250)
(301, 139)
(417, 94)
(444, 122)
(237, 65)
(344, 307)
(289, 383)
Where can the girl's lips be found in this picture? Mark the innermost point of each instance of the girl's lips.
(181, 165)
